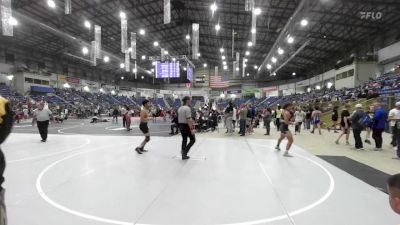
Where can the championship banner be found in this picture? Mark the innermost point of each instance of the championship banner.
(68, 7)
(124, 34)
(6, 18)
(167, 11)
(216, 71)
(253, 27)
(133, 45)
(127, 62)
(195, 40)
(97, 39)
(269, 89)
(93, 54)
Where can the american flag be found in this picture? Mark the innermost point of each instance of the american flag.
(217, 81)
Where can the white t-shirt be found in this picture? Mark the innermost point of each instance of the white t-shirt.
(234, 114)
(395, 113)
(299, 116)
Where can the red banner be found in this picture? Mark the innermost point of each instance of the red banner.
(73, 80)
(269, 89)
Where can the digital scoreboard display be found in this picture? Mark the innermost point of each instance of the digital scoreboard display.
(167, 70)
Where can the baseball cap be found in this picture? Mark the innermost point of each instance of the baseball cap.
(359, 106)
(397, 104)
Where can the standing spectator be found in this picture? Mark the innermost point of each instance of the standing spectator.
(278, 115)
(229, 115)
(357, 124)
(267, 120)
(42, 116)
(335, 118)
(345, 124)
(115, 115)
(394, 118)
(299, 118)
(243, 119)
(308, 119)
(368, 123)
(186, 126)
(123, 114)
(378, 126)
(234, 117)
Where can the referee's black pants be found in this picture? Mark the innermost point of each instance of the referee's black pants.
(186, 132)
(43, 129)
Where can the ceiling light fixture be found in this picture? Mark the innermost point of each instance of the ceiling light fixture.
(274, 60)
(294, 74)
(221, 50)
(142, 32)
(290, 39)
(280, 51)
(187, 37)
(217, 27)
(51, 3)
(304, 22)
(85, 50)
(87, 24)
(223, 57)
(247, 53)
(121, 65)
(250, 44)
(214, 7)
(269, 66)
(155, 44)
(257, 11)
(205, 65)
(13, 22)
(122, 15)
(106, 59)
(143, 57)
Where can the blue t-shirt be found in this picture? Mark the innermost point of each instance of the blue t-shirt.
(380, 118)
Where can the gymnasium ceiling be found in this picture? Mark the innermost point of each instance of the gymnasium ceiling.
(335, 29)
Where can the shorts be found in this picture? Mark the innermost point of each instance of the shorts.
(335, 119)
(345, 131)
(144, 128)
(284, 129)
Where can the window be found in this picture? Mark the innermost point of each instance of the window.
(45, 82)
(28, 80)
(37, 81)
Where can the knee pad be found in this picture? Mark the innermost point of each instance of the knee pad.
(147, 139)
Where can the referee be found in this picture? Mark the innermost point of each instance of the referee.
(42, 116)
(186, 126)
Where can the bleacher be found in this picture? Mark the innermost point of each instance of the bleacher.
(5, 91)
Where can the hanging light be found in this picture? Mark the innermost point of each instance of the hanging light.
(253, 31)
(134, 70)
(166, 52)
(122, 65)
(142, 32)
(142, 77)
(155, 43)
(247, 53)
(173, 59)
(51, 3)
(304, 22)
(122, 15)
(248, 74)
(143, 57)
(198, 54)
(213, 7)
(187, 37)
(249, 43)
(224, 63)
(106, 59)
(269, 66)
(225, 67)
(237, 68)
(290, 40)
(13, 22)
(184, 68)
(294, 74)
(122, 78)
(223, 57)
(280, 51)
(217, 27)
(221, 50)
(257, 11)
(87, 24)
(85, 50)
(205, 65)
(274, 60)
(255, 67)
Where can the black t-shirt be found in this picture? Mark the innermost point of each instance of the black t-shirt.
(335, 115)
(308, 114)
(345, 113)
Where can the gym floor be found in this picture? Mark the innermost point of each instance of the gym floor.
(88, 174)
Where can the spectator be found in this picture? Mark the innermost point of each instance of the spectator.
(394, 118)
(378, 126)
(267, 120)
(357, 124)
(393, 187)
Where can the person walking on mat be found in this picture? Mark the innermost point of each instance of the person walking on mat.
(186, 126)
(144, 118)
(42, 117)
